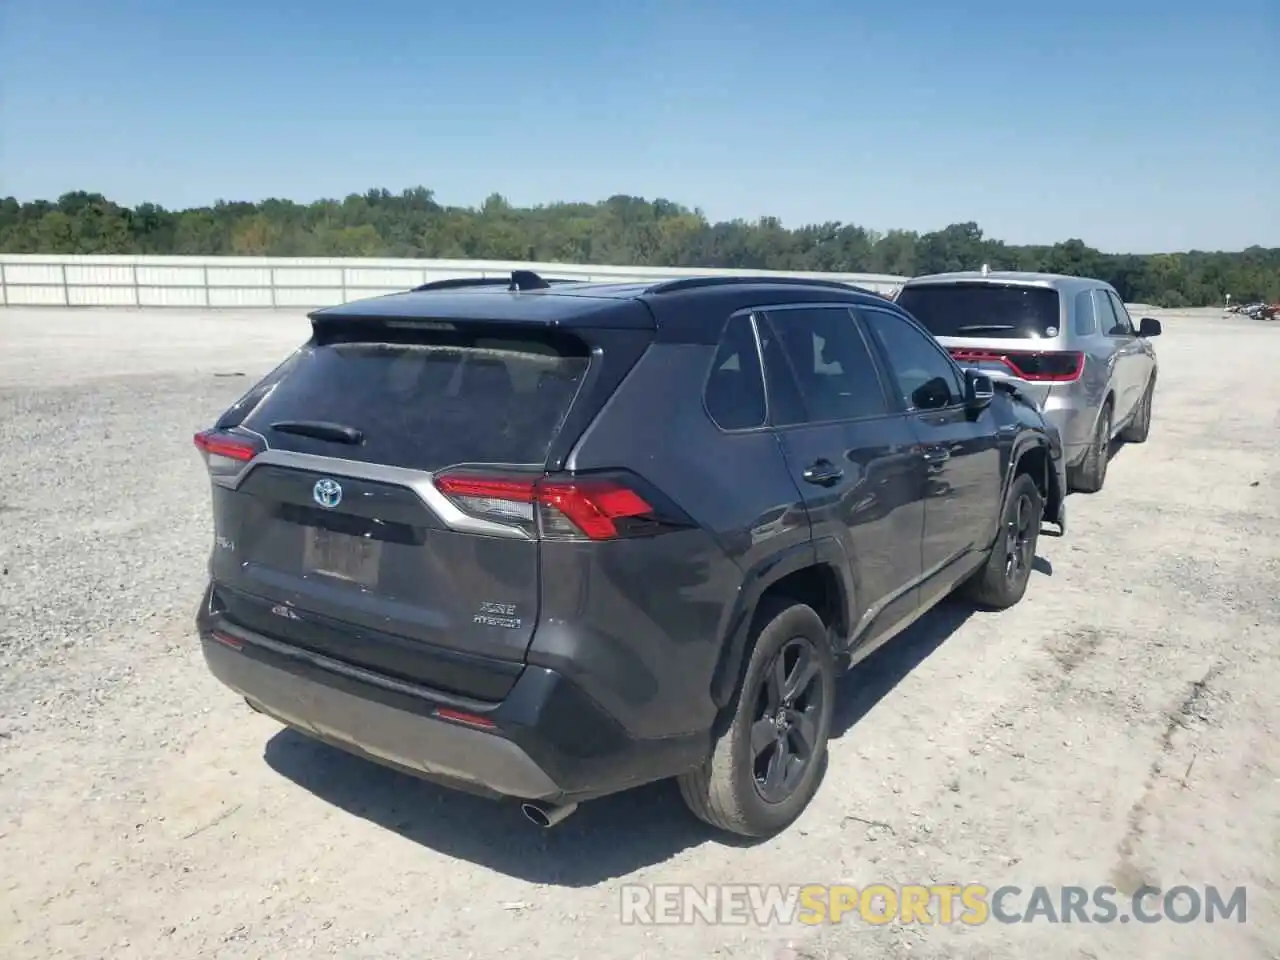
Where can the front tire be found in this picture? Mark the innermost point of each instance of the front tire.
(767, 765)
(1002, 581)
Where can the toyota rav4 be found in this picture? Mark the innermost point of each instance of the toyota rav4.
(549, 541)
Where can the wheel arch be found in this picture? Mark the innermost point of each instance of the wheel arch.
(1033, 455)
(817, 574)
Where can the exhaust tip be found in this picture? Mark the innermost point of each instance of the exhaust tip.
(544, 816)
(535, 815)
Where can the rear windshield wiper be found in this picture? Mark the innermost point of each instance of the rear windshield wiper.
(978, 327)
(321, 430)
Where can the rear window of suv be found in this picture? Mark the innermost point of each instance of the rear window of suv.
(983, 309)
(430, 399)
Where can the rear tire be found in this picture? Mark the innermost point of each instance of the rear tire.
(1139, 428)
(1002, 581)
(1092, 473)
(751, 785)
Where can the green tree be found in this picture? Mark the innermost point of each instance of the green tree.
(621, 229)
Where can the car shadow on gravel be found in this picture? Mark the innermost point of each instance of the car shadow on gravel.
(874, 678)
(605, 838)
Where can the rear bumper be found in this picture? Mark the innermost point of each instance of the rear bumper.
(547, 740)
(401, 738)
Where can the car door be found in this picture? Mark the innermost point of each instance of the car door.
(960, 450)
(1135, 355)
(853, 456)
(1126, 352)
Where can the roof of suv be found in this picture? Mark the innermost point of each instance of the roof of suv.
(587, 303)
(1055, 281)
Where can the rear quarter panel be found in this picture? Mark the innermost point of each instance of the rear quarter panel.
(642, 622)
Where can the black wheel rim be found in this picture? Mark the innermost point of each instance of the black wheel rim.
(784, 735)
(1019, 543)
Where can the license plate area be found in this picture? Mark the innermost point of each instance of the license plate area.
(341, 556)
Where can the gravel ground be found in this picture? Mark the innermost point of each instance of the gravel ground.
(1120, 726)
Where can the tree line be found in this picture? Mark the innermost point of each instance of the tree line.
(620, 230)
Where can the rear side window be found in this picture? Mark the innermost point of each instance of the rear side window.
(786, 406)
(735, 388)
(831, 363)
(1085, 322)
(429, 399)
(983, 309)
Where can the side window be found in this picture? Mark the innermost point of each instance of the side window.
(1086, 322)
(1125, 323)
(734, 393)
(1108, 323)
(926, 377)
(786, 406)
(831, 363)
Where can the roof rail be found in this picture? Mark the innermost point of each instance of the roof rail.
(455, 283)
(519, 280)
(693, 283)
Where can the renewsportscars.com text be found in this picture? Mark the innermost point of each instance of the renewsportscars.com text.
(968, 904)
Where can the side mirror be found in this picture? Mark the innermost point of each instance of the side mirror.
(1148, 327)
(978, 391)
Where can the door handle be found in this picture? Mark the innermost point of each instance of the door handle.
(822, 472)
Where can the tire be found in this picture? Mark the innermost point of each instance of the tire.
(1002, 581)
(1092, 473)
(1139, 428)
(725, 791)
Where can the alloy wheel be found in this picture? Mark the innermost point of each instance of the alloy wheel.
(788, 707)
(1019, 544)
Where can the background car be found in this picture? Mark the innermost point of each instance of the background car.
(1067, 341)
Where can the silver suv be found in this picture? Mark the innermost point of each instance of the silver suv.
(1068, 342)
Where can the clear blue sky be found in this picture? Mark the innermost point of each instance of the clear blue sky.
(1134, 125)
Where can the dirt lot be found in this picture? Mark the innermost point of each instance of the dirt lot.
(1120, 726)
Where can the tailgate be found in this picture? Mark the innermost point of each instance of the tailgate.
(335, 538)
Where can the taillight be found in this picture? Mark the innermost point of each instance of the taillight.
(1036, 366)
(578, 508)
(600, 509)
(224, 452)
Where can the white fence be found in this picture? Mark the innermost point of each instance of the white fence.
(141, 281)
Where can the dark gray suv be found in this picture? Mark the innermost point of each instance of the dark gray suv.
(549, 541)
